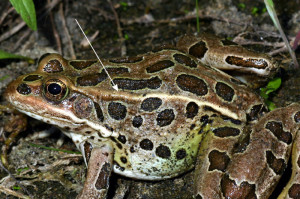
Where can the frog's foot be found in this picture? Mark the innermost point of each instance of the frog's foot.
(100, 160)
(253, 167)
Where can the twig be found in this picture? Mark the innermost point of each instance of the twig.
(23, 36)
(13, 193)
(119, 29)
(12, 31)
(55, 33)
(4, 15)
(70, 44)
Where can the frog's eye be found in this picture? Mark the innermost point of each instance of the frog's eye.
(55, 90)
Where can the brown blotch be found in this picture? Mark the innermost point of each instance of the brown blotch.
(294, 191)
(161, 65)
(133, 84)
(91, 79)
(24, 89)
(163, 151)
(277, 165)
(124, 160)
(53, 66)
(117, 110)
(124, 60)
(87, 150)
(218, 160)
(183, 59)
(198, 50)
(198, 197)
(277, 129)
(99, 112)
(297, 117)
(224, 91)
(226, 131)
(231, 190)
(146, 144)
(80, 65)
(103, 178)
(192, 84)
(150, 104)
(137, 121)
(227, 42)
(247, 63)
(122, 139)
(255, 112)
(31, 78)
(180, 154)
(191, 110)
(83, 107)
(165, 117)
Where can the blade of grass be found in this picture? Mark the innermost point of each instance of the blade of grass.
(273, 15)
(27, 11)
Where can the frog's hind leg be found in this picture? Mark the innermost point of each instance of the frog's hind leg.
(254, 165)
(99, 158)
(292, 189)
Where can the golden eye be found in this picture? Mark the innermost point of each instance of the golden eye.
(55, 90)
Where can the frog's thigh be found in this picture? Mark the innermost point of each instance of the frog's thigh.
(213, 156)
(100, 161)
(256, 167)
(292, 190)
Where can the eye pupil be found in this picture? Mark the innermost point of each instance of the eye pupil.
(54, 89)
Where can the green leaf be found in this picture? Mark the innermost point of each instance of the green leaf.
(6, 55)
(27, 11)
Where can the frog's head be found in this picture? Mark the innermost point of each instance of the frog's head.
(48, 94)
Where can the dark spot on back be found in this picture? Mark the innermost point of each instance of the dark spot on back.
(165, 117)
(137, 121)
(192, 84)
(91, 79)
(198, 50)
(183, 59)
(150, 104)
(191, 110)
(133, 84)
(80, 65)
(161, 65)
(117, 110)
(224, 91)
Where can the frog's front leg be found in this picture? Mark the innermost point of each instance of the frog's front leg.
(99, 158)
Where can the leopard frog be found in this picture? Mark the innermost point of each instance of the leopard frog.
(175, 111)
